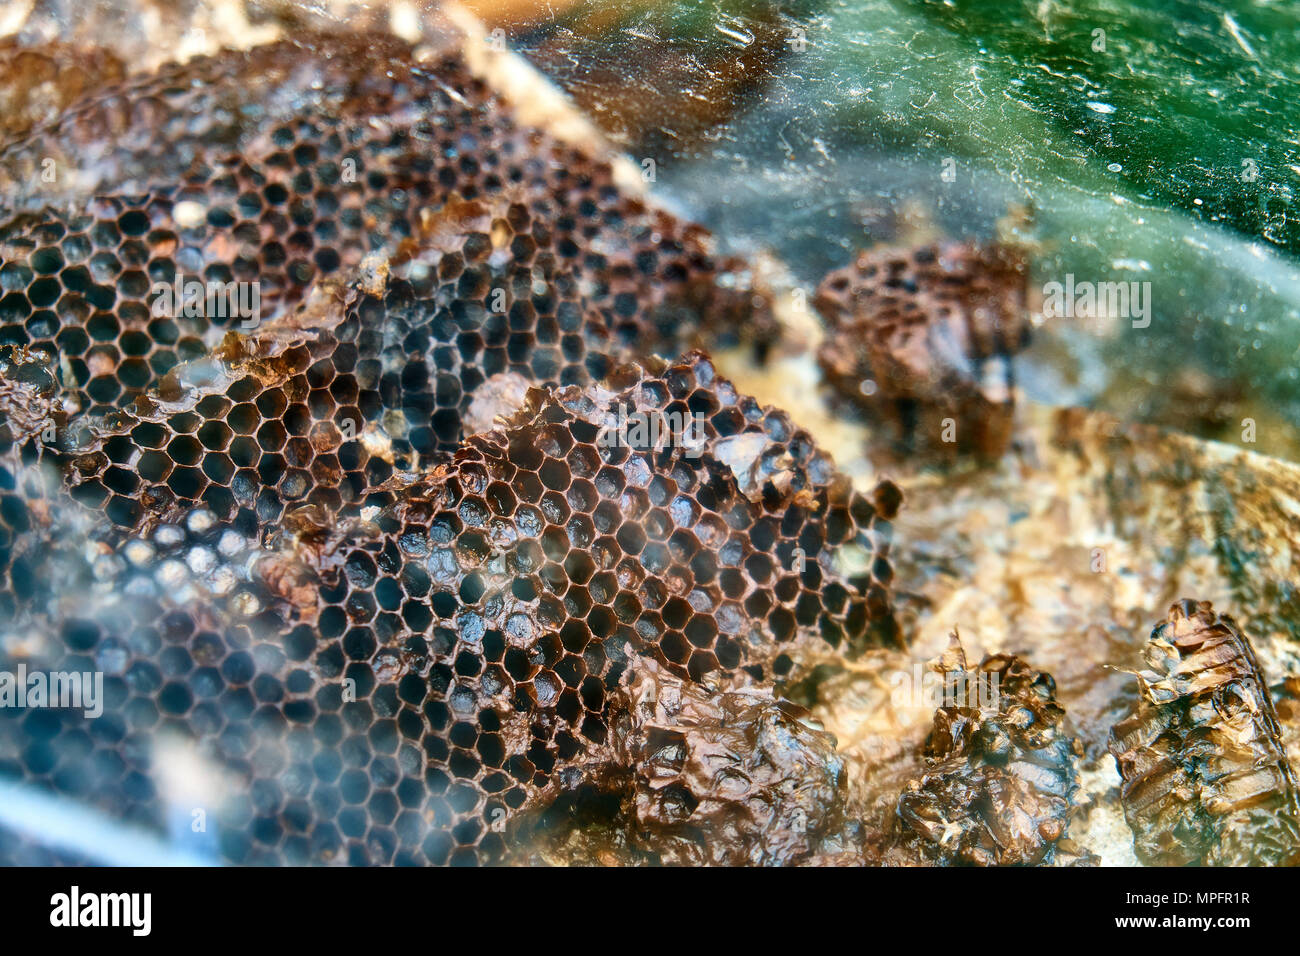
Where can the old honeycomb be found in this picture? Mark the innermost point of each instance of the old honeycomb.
(367, 554)
(922, 340)
(396, 685)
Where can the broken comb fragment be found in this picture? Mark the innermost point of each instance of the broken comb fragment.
(1205, 776)
(1001, 774)
(922, 340)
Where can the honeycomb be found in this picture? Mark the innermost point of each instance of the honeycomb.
(528, 261)
(1206, 780)
(315, 407)
(395, 159)
(230, 105)
(922, 340)
(396, 685)
(378, 559)
(450, 545)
